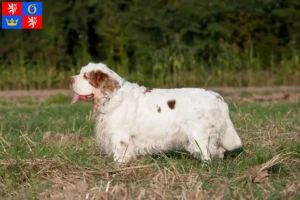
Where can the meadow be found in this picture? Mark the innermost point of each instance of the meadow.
(48, 150)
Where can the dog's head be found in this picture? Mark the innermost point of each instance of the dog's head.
(95, 82)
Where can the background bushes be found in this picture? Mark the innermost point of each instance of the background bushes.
(162, 43)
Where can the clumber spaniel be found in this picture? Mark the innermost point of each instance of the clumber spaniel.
(133, 120)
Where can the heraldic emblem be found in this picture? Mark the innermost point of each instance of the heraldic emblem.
(22, 15)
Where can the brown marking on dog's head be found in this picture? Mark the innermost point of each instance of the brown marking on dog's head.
(148, 89)
(104, 84)
(158, 109)
(101, 80)
(171, 104)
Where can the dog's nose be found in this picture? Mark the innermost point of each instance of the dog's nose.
(71, 80)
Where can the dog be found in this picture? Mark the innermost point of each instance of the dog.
(133, 120)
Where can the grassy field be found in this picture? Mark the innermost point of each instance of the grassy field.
(48, 151)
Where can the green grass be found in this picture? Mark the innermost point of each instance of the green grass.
(32, 167)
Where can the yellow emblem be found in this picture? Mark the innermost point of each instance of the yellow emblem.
(12, 22)
(31, 8)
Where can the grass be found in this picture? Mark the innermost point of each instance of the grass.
(48, 150)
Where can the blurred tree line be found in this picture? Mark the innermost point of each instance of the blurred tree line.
(158, 39)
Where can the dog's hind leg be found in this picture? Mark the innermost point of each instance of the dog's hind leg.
(204, 139)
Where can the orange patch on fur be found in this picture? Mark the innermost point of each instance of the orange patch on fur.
(101, 80)
(97, 78)
(171, 104)
(105, 85)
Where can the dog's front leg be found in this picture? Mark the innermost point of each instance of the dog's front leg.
(123, 152)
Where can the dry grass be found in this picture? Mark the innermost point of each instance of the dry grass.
(75, 182)
(259, 174)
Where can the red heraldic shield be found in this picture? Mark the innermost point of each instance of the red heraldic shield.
(32, 22)
(11, 8)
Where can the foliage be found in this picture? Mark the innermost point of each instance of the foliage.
(157, 42)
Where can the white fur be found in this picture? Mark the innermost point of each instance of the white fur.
(130, 124)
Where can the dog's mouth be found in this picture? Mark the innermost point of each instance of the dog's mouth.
(78, 97)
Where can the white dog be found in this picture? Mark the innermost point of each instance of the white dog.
(133, 120)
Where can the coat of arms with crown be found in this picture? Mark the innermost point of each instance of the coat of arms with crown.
(22, 15)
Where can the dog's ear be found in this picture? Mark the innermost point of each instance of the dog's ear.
(102, 81)
(97, 78)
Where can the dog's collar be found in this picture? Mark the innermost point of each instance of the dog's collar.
(105, 101)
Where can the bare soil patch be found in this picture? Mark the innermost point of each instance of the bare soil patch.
(238, 94)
